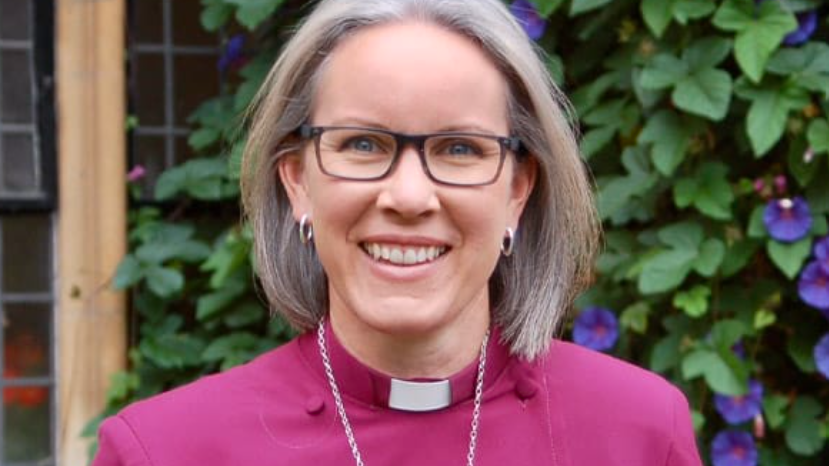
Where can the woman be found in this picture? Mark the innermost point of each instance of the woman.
(421, 214)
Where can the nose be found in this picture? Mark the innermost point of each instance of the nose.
(407, 190)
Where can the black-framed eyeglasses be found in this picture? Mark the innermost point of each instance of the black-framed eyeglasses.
(368, 154)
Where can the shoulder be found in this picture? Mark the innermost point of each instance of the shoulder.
(638, 414)
(579, 371)
(190, 424)
(220, 393)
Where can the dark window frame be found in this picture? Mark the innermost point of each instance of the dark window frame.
(43, 53)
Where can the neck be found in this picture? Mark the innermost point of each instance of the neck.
(430, 355)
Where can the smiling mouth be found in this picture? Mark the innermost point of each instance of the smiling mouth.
(403, 255)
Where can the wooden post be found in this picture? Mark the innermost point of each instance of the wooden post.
(92, 212)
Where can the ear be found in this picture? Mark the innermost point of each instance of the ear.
(291, 170)
(523, 182)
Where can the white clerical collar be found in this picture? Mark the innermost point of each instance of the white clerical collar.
(406, 395)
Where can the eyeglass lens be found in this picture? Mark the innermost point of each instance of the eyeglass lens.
(363, 154)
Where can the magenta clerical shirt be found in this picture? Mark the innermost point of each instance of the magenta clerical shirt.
(571, 407)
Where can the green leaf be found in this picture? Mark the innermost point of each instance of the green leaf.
(697, 420)
(663, 71)
(718, 375)
(818, 135)
(215, 14)
(734, 15)
(586, 97)
(764, 318)
(172, 351)
(725, 333)
(121, 384)
(737, 256)
(760, 30)
(164, 281)
(203, 138)
(209, 305)
(245, 314)
(769, 112)
(708, 191)
(683, 236)
(158, 252)
(803, 429)
(685, 192)
(806, 66)
(617, 193)
(711, 255)
(205, 179)
(546, 7)
(251, 13)
(635, 317)
(810, 59)
(693, 302)
(685, 10)
(129, 273)
(671, 136)
(665, 271)
(789, 257)
(226, 258)
(714, 195)
(230, 346)
(665, 354)
(706, 52)
(706, 93)
(582, 6)
(774, 407)
(595, 140)
(657, 15)
(756, 227)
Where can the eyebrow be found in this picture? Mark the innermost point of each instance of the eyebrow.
(358, 122)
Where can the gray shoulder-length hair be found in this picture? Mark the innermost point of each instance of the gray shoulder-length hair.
(532, 289)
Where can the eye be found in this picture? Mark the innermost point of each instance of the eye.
(361, 144)
(461, 148)
(457, 147)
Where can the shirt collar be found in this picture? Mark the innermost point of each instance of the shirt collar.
(364, 384)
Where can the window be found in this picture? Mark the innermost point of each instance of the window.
(27, 201)
(172, 70)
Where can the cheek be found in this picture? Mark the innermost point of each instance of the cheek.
(484, 216)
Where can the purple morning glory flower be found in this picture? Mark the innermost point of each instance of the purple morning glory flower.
(527, 15)
(787, 220)
(742, 408)
(822, 355)
(596, 328)
(822, 254)
(233, 55)
(806, 26)
(813, 287)
(733, 448)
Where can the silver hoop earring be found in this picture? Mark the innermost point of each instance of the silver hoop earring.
(306, 230)
(508, 242)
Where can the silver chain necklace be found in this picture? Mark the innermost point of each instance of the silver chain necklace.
(338, 400)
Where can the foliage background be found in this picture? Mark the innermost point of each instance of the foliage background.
(692, 112)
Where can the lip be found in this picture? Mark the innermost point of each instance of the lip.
(406, 240)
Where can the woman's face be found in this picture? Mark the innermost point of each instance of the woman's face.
(411, 78)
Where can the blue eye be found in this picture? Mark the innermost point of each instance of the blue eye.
(459, 148)
(361, 144)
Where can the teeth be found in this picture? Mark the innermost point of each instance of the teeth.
(403, 255)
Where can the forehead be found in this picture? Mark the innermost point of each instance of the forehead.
(411, 76)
